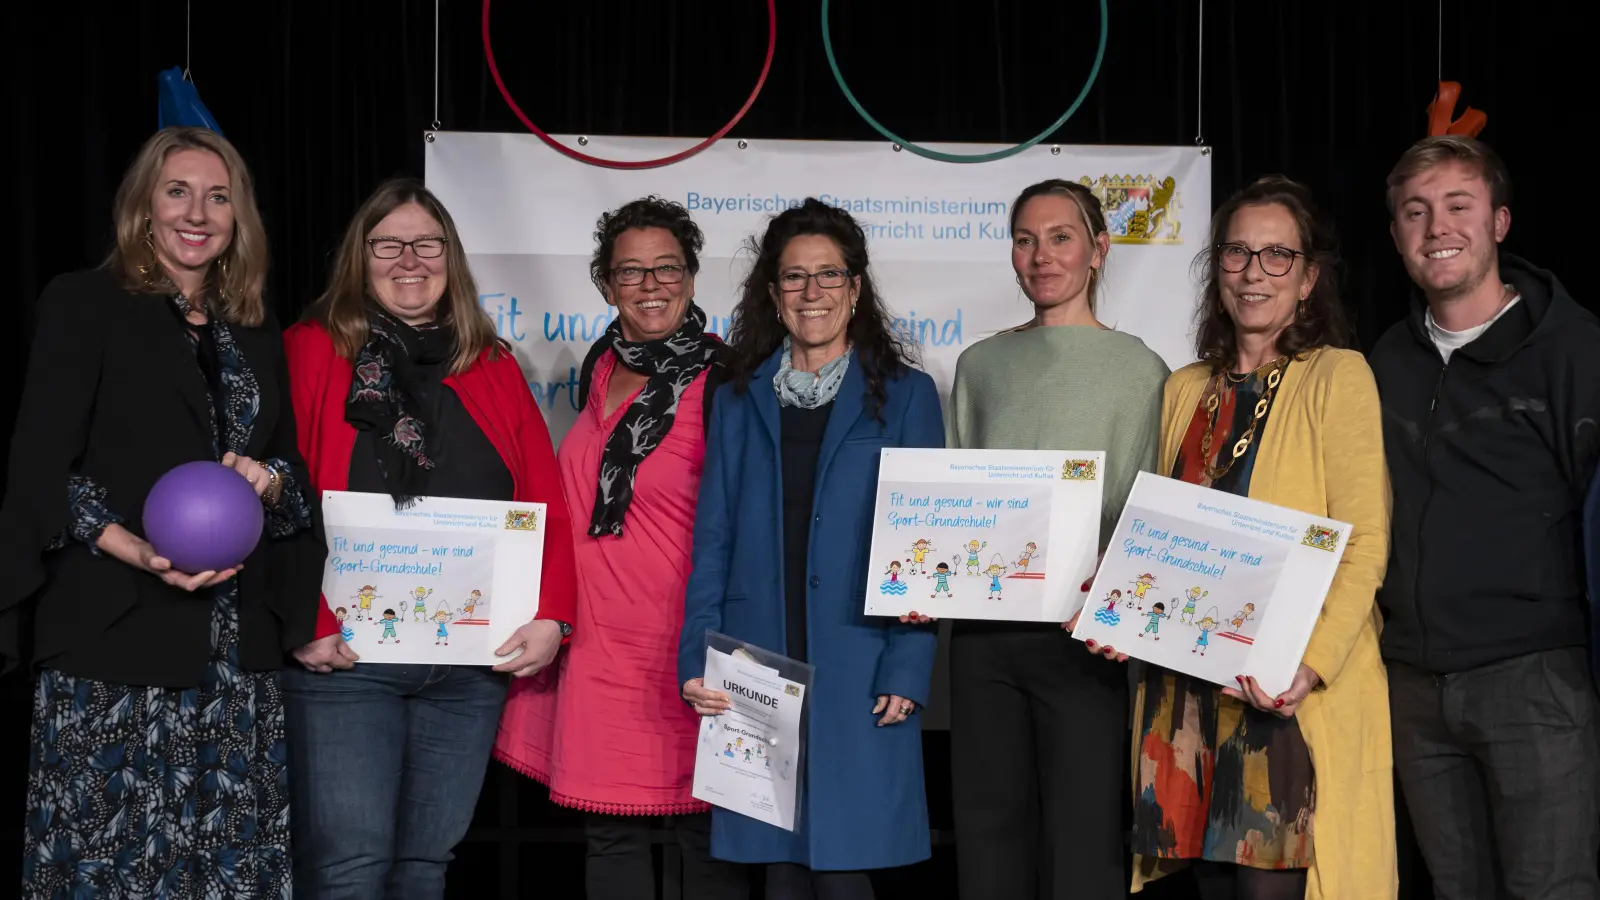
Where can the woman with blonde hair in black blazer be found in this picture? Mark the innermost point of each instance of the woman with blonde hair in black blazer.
(157, 754)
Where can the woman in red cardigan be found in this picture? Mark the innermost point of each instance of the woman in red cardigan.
(401, 387)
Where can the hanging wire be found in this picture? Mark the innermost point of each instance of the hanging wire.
(435, 65)
(1199, 79)
(188, 10)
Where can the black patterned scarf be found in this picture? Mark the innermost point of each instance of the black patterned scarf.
(671, 365)
(385, 399)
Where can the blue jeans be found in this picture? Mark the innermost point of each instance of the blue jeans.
(386, 763)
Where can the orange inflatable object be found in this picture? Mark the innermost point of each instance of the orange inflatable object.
(1444, 105)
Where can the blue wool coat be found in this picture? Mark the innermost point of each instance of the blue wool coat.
(863, 804)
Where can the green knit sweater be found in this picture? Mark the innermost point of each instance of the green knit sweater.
(1063, 388)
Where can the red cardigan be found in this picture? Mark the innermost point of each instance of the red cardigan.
(496, 395)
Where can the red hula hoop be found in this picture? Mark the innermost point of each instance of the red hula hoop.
(494, 70)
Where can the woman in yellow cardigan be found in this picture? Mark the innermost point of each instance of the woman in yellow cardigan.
(1288, 796)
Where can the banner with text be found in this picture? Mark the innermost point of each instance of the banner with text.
(939, 235)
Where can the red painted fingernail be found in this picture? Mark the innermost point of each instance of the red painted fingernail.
(1279, 703)
(1085, 586)
(1089, 644)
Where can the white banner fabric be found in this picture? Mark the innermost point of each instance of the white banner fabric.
(938, 234)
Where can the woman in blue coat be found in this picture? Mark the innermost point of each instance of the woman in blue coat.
(818, 386)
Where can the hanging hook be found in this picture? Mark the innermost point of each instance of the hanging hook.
(435, 66)
(188, 11)
(1199, 79)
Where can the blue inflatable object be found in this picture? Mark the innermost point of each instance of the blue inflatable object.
(180, 102)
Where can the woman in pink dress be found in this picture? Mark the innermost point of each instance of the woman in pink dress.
(608, 733)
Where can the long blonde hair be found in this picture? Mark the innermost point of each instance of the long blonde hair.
(342, 308)
(238, 279)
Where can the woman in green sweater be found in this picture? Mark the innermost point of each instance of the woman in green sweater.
(1038, 729)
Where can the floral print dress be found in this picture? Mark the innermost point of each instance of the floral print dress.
(151, 793)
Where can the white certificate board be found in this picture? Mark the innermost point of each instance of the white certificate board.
(749, 760)
(446, 581)
(1211, 584)
(984, 534)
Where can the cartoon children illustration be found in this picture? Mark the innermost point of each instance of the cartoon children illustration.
(919, 557)
(1206, 626)
(893, 586)
(1156, 614)
(389, 620)
(747, 754)
(941, 580)
(364, 598)
(443, 637)
(1109, 616)
(727, 750)
(471, 604)
(1028, 553)
(972, 556)
(420, 596)
(345, 631)
(1141, 584)
(1192, 595)
(994, 572)
(1242, 616)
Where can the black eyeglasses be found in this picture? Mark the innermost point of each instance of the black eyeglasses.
(791, 282)
(672, 273)
(1275, 261)
(389, 248)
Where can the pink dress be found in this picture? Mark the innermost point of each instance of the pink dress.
(608, 732)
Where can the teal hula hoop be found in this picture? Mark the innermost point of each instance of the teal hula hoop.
(1094, 73)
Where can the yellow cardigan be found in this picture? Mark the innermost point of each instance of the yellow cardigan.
(1322, 453)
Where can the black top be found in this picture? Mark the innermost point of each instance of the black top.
(466, 465)
(1489, 458)
(113, 394)
(802, 431)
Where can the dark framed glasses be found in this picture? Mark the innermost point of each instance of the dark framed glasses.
(791, 282)
(671, 273)
(1275, 261)
(389, 248)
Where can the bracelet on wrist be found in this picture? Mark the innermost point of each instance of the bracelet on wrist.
(269, 494)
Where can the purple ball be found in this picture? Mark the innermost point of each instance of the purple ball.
(203, 517)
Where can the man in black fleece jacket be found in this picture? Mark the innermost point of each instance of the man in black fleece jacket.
(1491, 395)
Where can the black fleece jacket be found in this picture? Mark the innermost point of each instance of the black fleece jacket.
(1490, 457)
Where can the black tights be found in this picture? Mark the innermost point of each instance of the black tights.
(1225, 881)
(621, 861)
(787, 881)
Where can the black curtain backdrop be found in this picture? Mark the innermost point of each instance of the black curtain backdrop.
(326, 99)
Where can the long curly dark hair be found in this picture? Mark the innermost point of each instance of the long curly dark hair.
(1319, 322)
(757, 331)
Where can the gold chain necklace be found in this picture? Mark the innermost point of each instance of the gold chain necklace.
(1274, 377)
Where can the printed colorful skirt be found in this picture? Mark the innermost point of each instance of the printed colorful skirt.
(1219, 780)
(145, 793)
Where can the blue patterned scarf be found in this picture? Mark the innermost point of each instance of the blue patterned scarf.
(803, 389)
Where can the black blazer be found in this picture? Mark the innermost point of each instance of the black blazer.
(113, 392)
